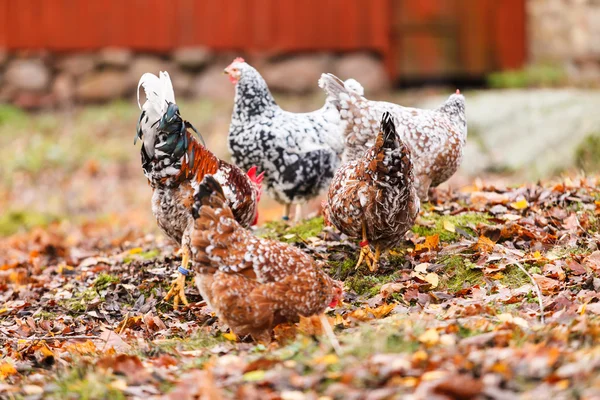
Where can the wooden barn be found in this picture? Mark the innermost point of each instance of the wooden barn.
(417, 39)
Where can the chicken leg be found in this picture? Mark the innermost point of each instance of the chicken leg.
(178, 285)
(366, 254)
(286, 212)
(298, 213)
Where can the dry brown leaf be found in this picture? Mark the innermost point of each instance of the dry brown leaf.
(547, 285)
(431, 243)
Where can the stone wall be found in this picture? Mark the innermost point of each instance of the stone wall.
(42, 80)
(566, 33)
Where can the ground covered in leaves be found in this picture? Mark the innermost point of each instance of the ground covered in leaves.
(452, 313)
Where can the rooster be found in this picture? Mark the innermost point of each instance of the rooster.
(436, 137)
(298, 151)
(252, 284)
(175, 162)
(373, 197)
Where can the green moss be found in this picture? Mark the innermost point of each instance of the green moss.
(587, 154)
(369, 284)
(45, 315)
(14, 221)
(466, 221)
(383, 337)
(104, 280)
(460, 272)
(300, 232)
(85, 384)
(198, 341)
(539, 75)
(513, 277)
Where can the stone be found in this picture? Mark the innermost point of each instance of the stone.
(182, 83)
(103, 86)
(115, 57)
(63, 89)
(77, 64)
(367, 69)
(142, 64)
(193, 58)
(296, 75)
(213, 84)
(27, 75)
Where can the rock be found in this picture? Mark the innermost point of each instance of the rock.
(115, 57)
(298, 75)
(213, 84)
(28, 75)
(104, 85)
(78, 64)
(368, 70)
(142, 64)
(63, 89)
(182, 83)
(193, 58)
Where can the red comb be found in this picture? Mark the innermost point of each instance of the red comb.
(238, 59)
(457, 91)
(253, 177)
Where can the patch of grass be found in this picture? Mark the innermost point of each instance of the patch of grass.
(198, 341)
(104, 280)
(513, 277)
(387, 336)
(539, 75)
(45, 315)
(466, 221)
(13, 221)
(370, 285)
(587, 154)
(85, 384)
(293, 234)
(11, 115)
(460, 273)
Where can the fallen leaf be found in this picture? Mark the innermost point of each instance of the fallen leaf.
(128, 365)
(449, 226)
(520, 205)
(547, 285)
(7, 369)
(431, 243)
(430, 337)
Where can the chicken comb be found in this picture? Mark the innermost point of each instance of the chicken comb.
(238, 59)
(457, 91)
(253, 177)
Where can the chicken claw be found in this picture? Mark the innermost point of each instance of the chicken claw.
(177, 290)
(366, 255)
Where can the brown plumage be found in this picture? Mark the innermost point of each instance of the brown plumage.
(374, 196)
(175, 163)
(252, 284)
(435, 137)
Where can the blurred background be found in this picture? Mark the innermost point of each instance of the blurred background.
(530, 70)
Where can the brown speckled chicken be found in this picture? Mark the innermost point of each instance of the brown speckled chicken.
(374, 197)
(435, 137)
(175, 162)
(252, 284)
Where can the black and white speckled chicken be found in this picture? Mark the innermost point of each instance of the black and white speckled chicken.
(298, 152)
(436, 137)
(175, 163)
(251, 283)
(373, 197)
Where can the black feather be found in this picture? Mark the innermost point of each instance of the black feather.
(389, 130)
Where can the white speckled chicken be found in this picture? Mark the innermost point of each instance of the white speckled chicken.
(252, 284)
(175, 162)
(373, 197)
(299, 152)
(436, 137)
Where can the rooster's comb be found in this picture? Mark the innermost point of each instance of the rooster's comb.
(238, 59)
(255, 178)
(457, 91)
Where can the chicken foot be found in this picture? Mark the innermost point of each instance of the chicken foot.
(177, 290)
(286, 212)
(366, 255)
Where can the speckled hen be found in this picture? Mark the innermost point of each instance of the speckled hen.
(252, 284)
(175, 162)
(373, 197)
(436, 137)
(299, 152)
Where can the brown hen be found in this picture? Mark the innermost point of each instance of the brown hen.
(374, 196)
(252, 284)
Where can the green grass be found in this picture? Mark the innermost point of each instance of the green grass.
(83, 383)
(293, 234)
(541, 75)
(466, 221)
(13, 221)
(587, 154)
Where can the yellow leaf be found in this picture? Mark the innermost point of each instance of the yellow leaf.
(484, 244)
(7, 369)
(520, 205)
(449, 226)
(563, 384)
(328, 359)
(432, 278)
(422, 267)
(136, 250)
(430, 337)
(230, 336)
(254, 376)
(431, 243)
(537, 255)
(382, 310)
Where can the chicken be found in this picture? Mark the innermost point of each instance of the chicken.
(436, 137)
(252, 284)
(175, 163)
(298, 151)
(374, 197)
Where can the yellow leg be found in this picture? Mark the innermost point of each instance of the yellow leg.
(373, 266)
(177, 290)
(286, 212)
(365, 250)
(298, 213)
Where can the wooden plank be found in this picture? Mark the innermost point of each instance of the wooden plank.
(510, 37)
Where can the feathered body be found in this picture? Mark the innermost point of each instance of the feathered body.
(435, 137)
(299, 152)
(374, 196)
(252, 284)
(175, 163)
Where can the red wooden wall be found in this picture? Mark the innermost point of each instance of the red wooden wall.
(416, 37)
